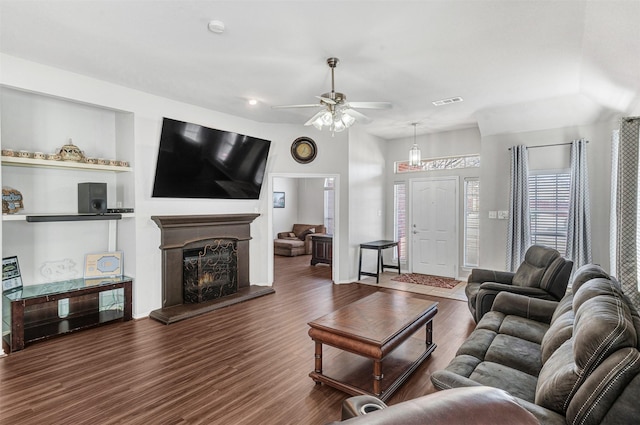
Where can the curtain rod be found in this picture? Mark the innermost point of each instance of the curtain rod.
(553, 144)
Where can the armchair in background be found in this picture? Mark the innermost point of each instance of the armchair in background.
(544, 274)
(298, 240)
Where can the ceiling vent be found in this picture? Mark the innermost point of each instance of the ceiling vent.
(447, 101)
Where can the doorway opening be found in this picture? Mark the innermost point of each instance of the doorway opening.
(302, 201)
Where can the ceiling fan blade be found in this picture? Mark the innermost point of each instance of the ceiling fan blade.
(315, 117)
(327, 100)
(370, 105)
(357, 115)
(309, 105)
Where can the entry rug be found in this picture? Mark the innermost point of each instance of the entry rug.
(428, 280)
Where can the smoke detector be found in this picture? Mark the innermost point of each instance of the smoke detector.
(216, 27)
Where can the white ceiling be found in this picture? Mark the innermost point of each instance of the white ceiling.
(519, 65)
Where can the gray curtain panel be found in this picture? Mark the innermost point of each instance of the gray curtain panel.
(519, 231)
(625, 267)
(579, 223)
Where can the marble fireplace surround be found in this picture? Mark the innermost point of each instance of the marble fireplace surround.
(180, 231)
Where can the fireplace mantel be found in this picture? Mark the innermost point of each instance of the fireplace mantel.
(179, 231)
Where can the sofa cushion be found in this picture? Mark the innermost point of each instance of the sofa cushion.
(491, 321)
(564, 305)
(515, 382)
(477, 343)
(299, 228)
(536, 260)
(585, 274)
(561, 330)
(602, 325)
(516, 353)
(306, 232)
(523, 328)
(557, 379)
(610, 394)
(556, 277)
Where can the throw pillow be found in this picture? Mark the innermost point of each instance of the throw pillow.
(304, 234)
(292, 235)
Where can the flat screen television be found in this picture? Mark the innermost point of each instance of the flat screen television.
(201, 162)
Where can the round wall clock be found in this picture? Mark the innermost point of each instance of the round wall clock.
(304, 150)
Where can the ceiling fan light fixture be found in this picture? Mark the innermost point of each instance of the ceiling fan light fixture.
(335, 113)
(338, 125)
(347, 119)
(327, 118)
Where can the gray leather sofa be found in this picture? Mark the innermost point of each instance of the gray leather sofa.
(543, 274)
(574, 361)
(477, 406)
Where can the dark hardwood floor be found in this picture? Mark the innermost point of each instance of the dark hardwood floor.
(244, 364)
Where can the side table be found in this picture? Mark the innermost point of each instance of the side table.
(380, 266)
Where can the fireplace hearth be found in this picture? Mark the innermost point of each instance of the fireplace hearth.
(205, 264)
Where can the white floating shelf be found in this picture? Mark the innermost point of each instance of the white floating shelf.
(23, 217)
(31, 162)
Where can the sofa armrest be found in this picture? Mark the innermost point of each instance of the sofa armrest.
(524, 306)
(473, 405)
(544, 416)
(484, 275)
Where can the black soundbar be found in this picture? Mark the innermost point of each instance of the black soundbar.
(71, 217)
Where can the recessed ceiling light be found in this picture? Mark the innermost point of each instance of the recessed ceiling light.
(216, 27)
(253, 102)
(447, 101)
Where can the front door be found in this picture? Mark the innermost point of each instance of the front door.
(434, 214)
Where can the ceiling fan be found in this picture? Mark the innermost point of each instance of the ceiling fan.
(336, 113)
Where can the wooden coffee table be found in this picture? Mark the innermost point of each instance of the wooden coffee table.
(378, 328)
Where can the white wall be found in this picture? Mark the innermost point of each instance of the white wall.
(284, 217)
(148, 111)
(367, 200)
(304, 202)
(494, 183)
(311, 201)
(494, 177)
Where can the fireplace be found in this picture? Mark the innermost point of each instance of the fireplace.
(205, 264)
(209, 272)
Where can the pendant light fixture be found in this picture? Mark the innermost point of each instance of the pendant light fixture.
(415, 157)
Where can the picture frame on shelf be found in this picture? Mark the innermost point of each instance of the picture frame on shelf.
(278, 199)
(103, 264)
(11, 277)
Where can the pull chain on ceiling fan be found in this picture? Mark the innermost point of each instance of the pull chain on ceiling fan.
(336, 113)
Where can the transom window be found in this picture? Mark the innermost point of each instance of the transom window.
(445, 163)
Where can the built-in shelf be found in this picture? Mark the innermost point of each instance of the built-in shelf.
(47, 163)
(64, 217)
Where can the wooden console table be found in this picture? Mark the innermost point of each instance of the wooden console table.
(34, 313)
